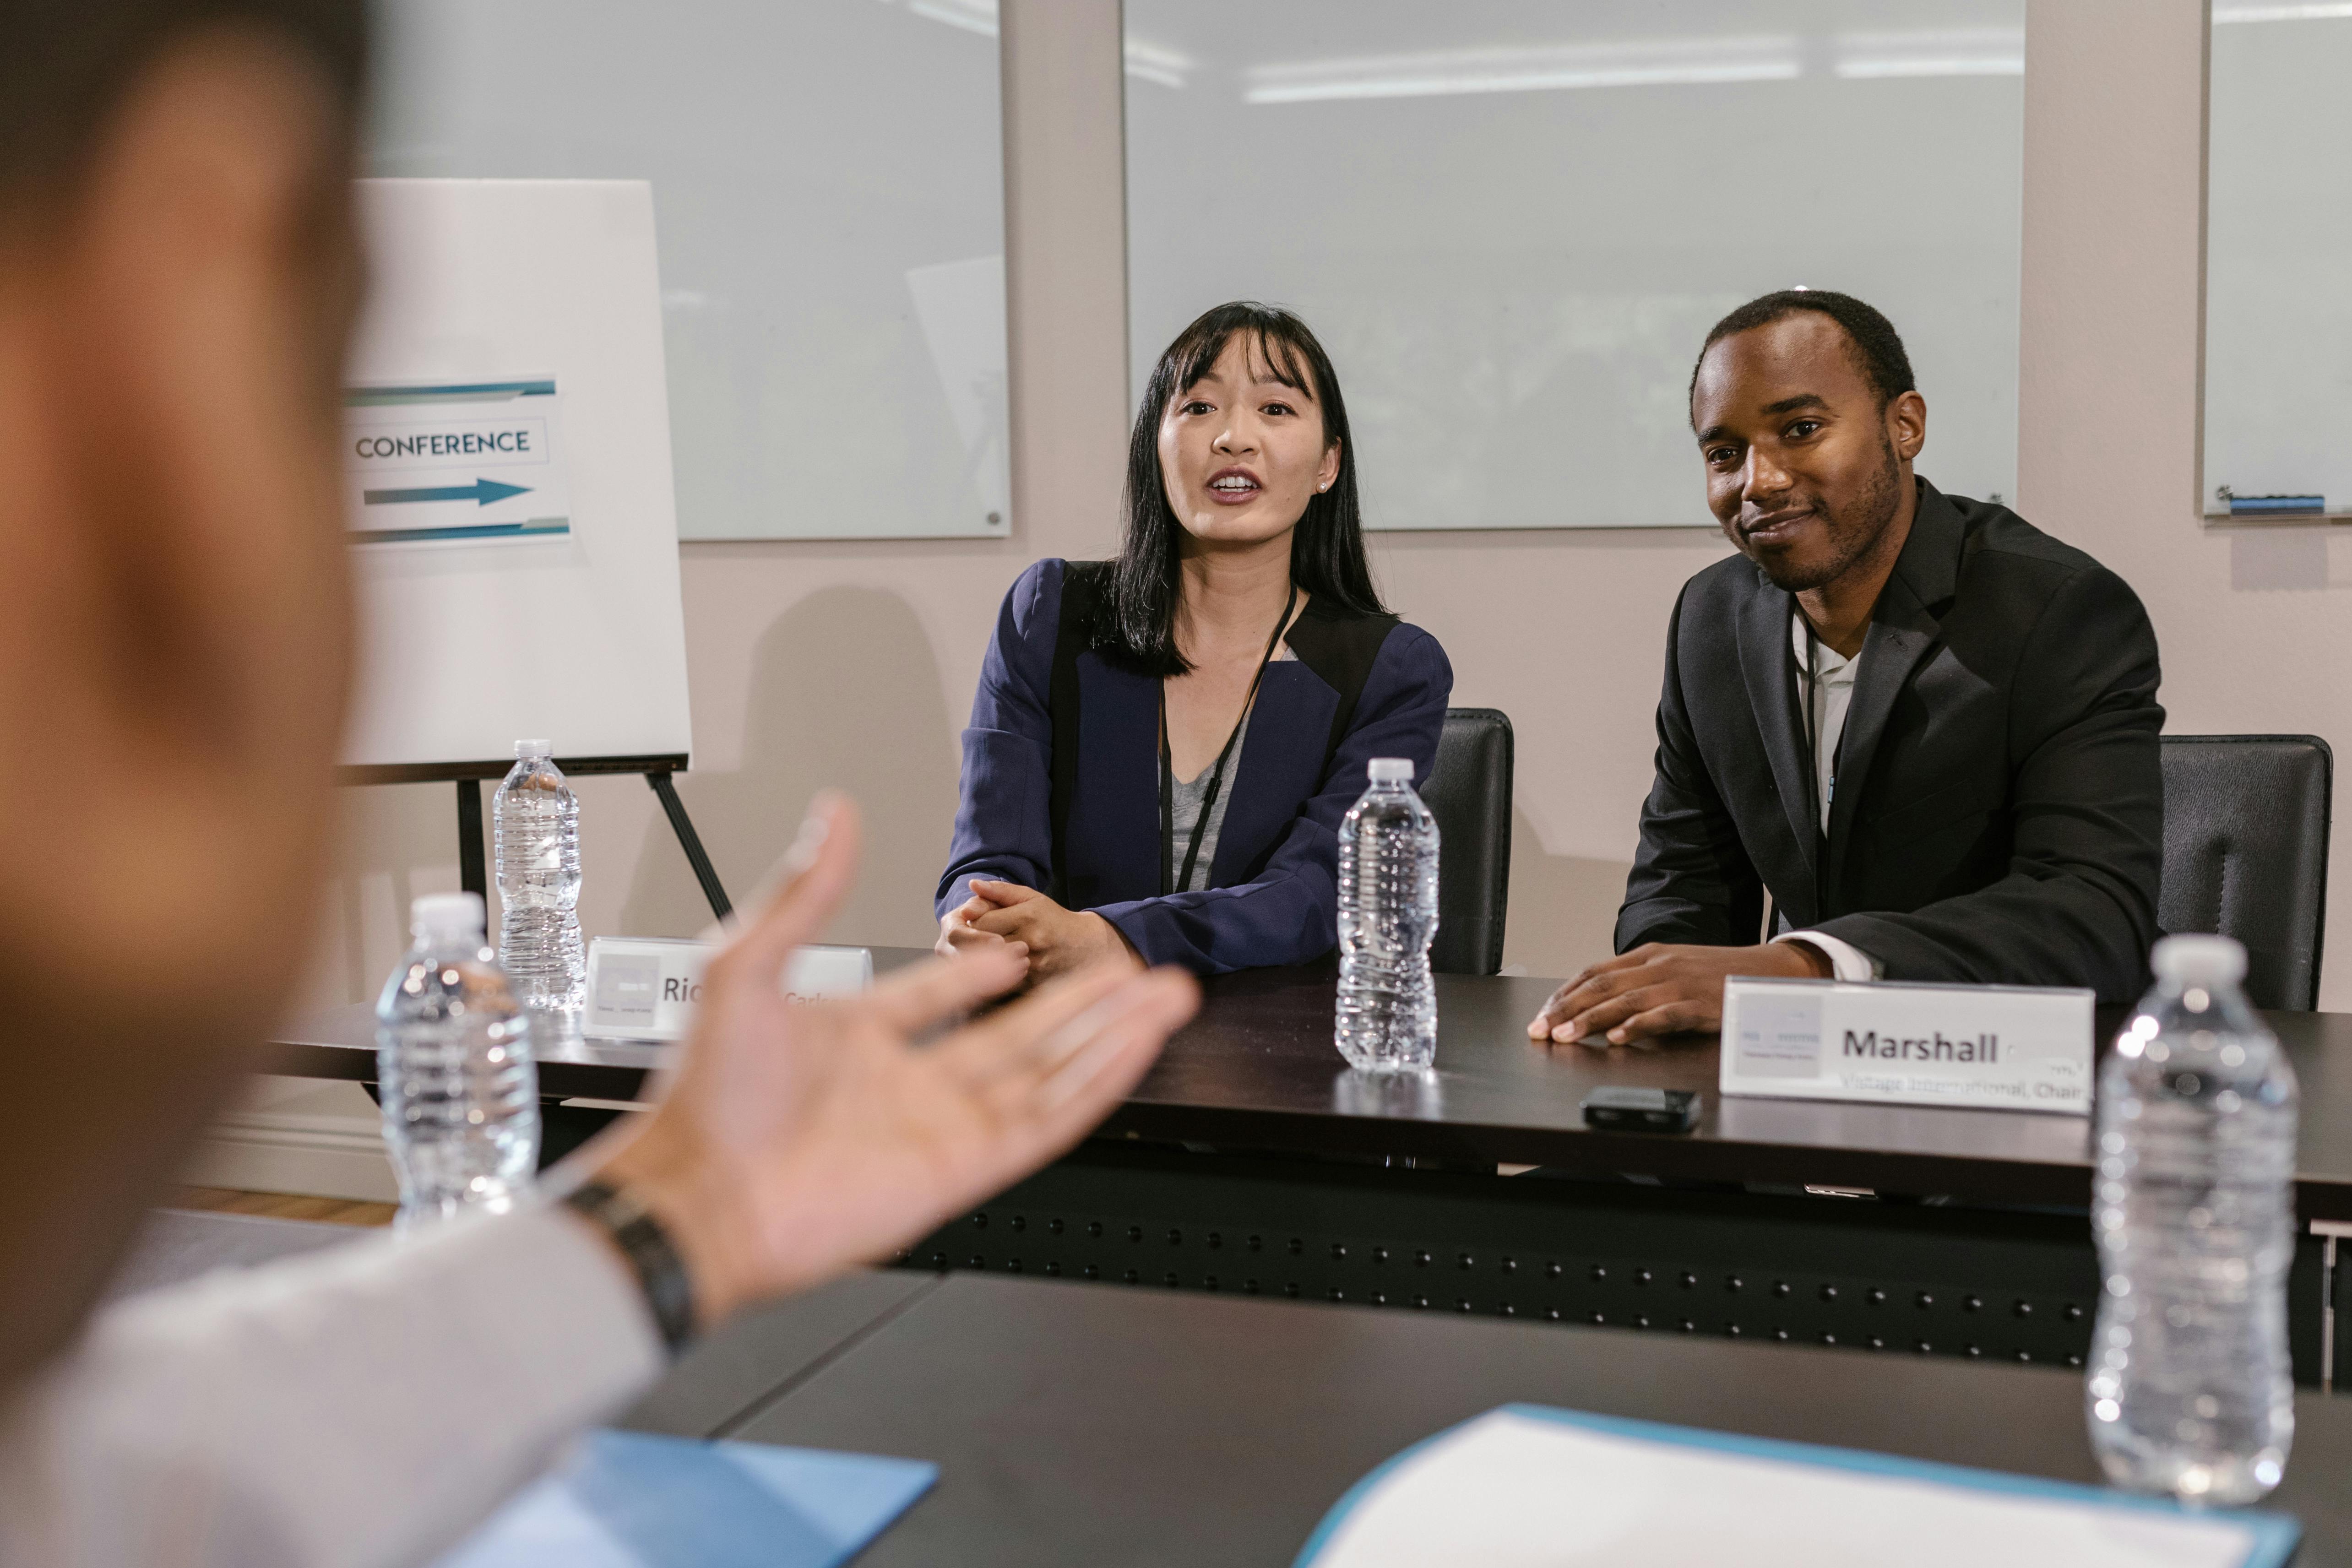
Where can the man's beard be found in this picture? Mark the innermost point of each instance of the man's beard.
(1853, 529)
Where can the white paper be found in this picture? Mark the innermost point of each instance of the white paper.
(1512, 1490)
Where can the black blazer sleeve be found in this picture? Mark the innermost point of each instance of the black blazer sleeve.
(2086, 797)
(1692, 880)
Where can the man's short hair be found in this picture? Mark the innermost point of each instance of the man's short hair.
(66, 64)
(1877, 349)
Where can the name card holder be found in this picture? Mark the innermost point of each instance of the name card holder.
(647, 987)
(2011, 1048)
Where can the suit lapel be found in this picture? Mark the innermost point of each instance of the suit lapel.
(1278, 771)
(1904, 626)
(1113, 829)
(1773, 698)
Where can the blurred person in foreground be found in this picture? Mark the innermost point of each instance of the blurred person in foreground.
(178, 274)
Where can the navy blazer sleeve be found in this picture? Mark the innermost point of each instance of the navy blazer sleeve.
(1004, 826)
(1289, 913)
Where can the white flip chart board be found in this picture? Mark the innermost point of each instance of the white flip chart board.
(507, 459)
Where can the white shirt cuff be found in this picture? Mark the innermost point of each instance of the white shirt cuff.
(1847, 962)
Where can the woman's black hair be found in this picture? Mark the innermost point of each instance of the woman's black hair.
(1327, 551)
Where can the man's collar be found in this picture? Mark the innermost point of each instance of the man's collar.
(1806, 647)
(1929, 566)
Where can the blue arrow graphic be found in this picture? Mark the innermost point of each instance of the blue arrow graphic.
(481, 491)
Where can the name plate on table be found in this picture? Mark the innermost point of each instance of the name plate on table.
(2011, 1048)
(645, 988)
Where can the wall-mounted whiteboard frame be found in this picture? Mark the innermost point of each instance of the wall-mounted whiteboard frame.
(1513, 220)
(2278, 229)
(829, 176)
(579, 637)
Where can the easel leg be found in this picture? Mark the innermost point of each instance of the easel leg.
(691, 842)
(473, 874)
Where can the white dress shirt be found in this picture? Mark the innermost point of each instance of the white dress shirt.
(364, 1407)
(1825, 679)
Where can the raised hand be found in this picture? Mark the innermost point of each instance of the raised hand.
(801, 1138)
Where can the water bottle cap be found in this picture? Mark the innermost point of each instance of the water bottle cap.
(2199, 961)
(534, 748)
(1390, 770)
(447, 915)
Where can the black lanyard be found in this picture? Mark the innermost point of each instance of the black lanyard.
(1814, 714)
(1813, 721)
(1216, 777)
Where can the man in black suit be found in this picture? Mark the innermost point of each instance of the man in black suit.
(1924, 729)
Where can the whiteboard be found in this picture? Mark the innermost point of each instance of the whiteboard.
(567, 625)
(2278, 318)
(829, 177)
(1512, 222)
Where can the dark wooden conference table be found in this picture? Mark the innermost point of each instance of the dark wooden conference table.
(1094, 1425)
(1098, 1424)
(1251, 1162)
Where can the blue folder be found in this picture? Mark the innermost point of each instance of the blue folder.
(626, 1500)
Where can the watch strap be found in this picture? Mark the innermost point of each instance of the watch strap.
(661, 1275)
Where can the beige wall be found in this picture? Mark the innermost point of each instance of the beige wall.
(2253, 622)
(854, 664)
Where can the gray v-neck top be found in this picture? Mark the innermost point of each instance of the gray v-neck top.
(1184, 801)
(1184, 810)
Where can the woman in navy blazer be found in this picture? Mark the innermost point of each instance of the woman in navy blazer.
(1163, 745)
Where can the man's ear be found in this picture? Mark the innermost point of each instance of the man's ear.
(1907, 424)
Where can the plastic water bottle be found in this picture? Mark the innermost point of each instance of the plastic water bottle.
(536, 824)
(1388, 916)
(454, 1065)
(2190, 1389)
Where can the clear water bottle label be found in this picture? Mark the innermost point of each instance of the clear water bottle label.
(2018, 1048)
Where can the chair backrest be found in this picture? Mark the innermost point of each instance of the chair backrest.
(1469, 793)
(2245, 853)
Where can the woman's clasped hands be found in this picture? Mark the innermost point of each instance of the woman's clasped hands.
(1054, 940)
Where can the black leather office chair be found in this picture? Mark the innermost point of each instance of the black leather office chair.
(1469, 793)
(2245, 853)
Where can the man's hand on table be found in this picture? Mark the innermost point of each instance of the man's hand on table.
(802, 1138)
(1662, 989)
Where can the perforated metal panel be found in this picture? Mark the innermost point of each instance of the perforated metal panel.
(1911, 1278)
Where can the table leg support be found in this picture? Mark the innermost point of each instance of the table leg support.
(473, 868)
(691, 842)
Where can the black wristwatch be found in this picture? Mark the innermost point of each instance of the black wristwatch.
(670, 1293)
